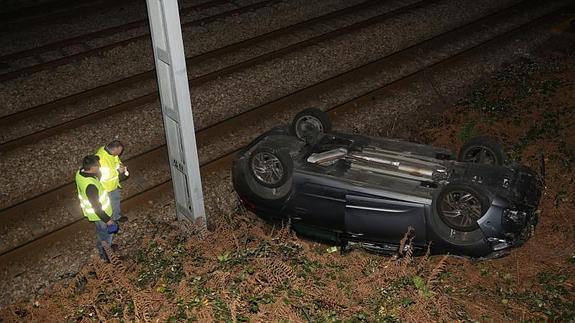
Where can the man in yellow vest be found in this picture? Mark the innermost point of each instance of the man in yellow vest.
(95, 202)
(113, 171)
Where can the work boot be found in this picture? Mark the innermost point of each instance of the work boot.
(104, 258)
(123, 218)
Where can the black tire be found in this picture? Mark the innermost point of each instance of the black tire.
(266, 197)
(459, 206)
(467, 239)
(482, 150)
(310, 124)
(269, 166)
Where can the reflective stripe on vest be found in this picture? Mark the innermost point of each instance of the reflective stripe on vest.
(82, 183)
(87, 206)
(109, 165)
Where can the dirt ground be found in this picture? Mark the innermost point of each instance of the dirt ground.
(246, 270)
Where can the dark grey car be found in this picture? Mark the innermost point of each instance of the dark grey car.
(356, 189)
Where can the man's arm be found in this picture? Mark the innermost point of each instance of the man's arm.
(92, 193)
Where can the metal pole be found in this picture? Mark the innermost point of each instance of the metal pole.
(176, 107)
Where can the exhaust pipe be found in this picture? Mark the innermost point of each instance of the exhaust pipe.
(401, 167)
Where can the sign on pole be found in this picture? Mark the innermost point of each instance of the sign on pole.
(176, 107)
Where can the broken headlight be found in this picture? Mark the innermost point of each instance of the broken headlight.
(514, 219)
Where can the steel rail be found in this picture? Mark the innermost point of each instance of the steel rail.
(152, 97)
(194, 60)
(10, 15)
(41, 14)
(98, 34)
(337, 112)
(98, 50)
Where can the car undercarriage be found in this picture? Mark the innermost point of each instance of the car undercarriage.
(358, 189)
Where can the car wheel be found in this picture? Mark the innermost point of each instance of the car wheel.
(460, 206)
(449, 230)
(270, 167)
(310, 124)
(482, 150)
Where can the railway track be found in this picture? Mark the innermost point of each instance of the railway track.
(63, 58)
(284, 105)
(152, 97)
(195, 60)
(82, 39)
(51, 12)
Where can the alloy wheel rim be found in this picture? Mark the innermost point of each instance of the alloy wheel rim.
(461, 208)
(267, 168)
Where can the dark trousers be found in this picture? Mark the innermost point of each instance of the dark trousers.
(102, 235)
(115, 198)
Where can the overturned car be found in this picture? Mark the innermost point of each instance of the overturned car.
(352, 189)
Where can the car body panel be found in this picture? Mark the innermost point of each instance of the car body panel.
(383, 220)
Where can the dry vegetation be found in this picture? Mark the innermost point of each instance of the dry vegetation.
(245, 270)
(530, 108)
(241, 271)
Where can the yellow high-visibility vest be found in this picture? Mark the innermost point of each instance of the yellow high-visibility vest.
(89, 212)
(109, 165)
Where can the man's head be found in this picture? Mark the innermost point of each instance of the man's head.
(115, 148)
(91, 164)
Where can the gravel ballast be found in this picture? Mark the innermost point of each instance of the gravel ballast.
(49, 85)
(70, 111)
(34, 35)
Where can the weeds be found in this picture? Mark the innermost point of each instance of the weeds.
(550, 297)
(549, 128)
(159, 261)
(270, 278)
(514, 86)
(467, 131)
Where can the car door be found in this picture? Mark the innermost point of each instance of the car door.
(320, 206)
(378, 219)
